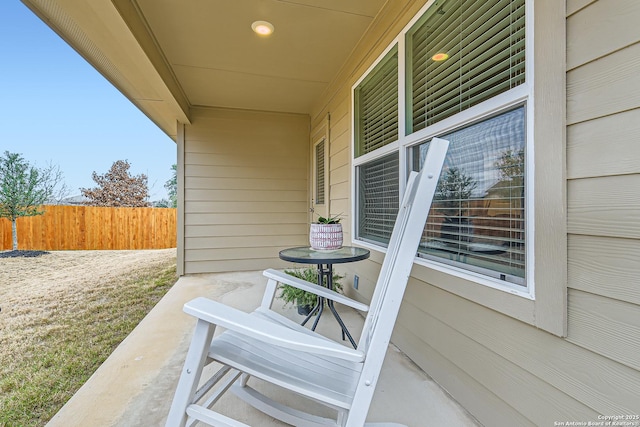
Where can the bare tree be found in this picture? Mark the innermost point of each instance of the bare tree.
(172, 187)
(25, 188)
(118, 188)
(55, 185)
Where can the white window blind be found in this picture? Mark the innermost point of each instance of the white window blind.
(376, 106)
(485, 44)
(378, 198)
(477, 220)
(320, 172)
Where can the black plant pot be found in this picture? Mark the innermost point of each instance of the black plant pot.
(304, 310)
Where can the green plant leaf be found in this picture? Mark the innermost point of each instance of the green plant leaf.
(298, 297)
(330, 219)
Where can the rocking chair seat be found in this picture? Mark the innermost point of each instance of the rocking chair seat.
(326, 378)
(331, 378)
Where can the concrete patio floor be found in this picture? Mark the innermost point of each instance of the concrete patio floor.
(135, 385)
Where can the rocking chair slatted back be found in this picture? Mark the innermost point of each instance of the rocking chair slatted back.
(394, 275)
(403, 245)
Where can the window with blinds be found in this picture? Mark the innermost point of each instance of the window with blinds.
(477, 220)
(376, 106)
(378, 198)
(319, 156)
(484, 46)
(458, 54)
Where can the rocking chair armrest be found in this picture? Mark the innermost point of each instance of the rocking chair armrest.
(321, 291)
(272, 333)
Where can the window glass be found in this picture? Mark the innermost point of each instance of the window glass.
(376, 106)
(477, 220)
(460, 53)
(378, 198)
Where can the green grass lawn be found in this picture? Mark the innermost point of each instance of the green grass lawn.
(45, 364)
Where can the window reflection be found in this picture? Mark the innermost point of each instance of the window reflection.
(477, 220)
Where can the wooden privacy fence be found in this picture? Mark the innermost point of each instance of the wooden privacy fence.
(93, 228)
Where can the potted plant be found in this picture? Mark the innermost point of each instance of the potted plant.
(326, 233)
(305, 301)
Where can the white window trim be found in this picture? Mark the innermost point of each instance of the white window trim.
(544, 302)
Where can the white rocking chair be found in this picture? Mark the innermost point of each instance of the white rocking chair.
(266, 345)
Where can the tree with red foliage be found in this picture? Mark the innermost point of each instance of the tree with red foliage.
(118, 188)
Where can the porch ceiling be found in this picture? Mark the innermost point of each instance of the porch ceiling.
(170, 55)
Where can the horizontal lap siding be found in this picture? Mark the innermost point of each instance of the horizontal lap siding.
(254, 241)
(610, 140)
(463, 387)
(606, 266)
(603, 167)
(607, 327)
(605, 206)
(575, 5)
(604, 27)
(246, 189)
(526, 392)
(605, 86)
(504, 371)
(590, 380)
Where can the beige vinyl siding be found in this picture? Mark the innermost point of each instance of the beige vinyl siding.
(603, 167)
(605, 27)
(245, 188)
(575, 5)
(597, 89)
(605, 266)
(605, 206)
(590, 140)
(482, 405)
(504, 371)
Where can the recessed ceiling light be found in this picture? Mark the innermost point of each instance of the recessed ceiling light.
(440, 56)
(262, 28)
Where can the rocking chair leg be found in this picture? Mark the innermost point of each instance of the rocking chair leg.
(191, 372)
(279, 411)
(342, 417)
(244, 379)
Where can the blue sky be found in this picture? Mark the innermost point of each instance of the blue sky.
(56, 108)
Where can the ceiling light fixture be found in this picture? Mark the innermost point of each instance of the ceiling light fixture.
(262, 28)
(441, 56)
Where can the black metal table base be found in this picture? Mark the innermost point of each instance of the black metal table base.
(325, 278)
(325, 260)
